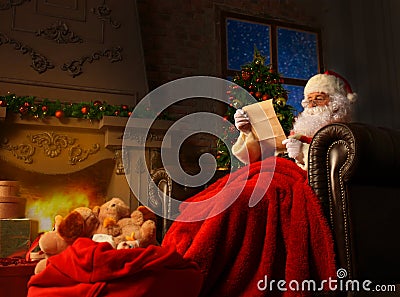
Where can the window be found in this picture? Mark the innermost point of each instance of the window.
(292, 50)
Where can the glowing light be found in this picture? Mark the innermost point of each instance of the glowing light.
(45, 209)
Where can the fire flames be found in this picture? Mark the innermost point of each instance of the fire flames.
(46, 208)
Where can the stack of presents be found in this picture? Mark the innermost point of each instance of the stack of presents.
(16, 236)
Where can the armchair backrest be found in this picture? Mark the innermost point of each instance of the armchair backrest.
(354, 170)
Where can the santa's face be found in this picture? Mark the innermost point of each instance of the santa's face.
(317, 99)
(317, 113)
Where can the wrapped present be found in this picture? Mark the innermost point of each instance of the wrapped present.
(16, 236)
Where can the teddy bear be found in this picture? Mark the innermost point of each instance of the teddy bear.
(123, 229)
(81, 222)
(108, 214)
(137, 231)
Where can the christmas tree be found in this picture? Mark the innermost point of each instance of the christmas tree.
(263, 83)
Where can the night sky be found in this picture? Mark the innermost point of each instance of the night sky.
(297, 52)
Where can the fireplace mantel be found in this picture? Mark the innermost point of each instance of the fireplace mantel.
(59, 146)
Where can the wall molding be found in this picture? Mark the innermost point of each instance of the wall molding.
(60, 33)
(39, 62)
(74, 67)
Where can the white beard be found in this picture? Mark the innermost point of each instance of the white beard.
(312, 119)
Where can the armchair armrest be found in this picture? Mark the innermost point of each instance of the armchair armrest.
(354, 170)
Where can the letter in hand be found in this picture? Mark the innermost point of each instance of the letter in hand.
(242, 122)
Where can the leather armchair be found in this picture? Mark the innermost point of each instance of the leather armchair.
(354, 170)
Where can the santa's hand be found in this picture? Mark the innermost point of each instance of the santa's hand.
(293, 147)
(242, 122)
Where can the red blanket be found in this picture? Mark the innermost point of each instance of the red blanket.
(241, 250)
(88, 268)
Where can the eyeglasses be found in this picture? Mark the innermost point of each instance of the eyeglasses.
(316, 102)
(316, 99)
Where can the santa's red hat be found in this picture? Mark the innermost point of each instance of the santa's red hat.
(329, 83)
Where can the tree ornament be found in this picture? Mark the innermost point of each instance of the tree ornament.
(258, 94)
(281, 101)
(23, 109)
(271, 69)
(34, 108)
(265, 97)
(245, 75)
(124, 107)
(258, 79)
(59, 114)
(85, 110)
(117, 112)
(3, 102)
(27, 104)
(97, 103)
(102, 108)
(45, 108)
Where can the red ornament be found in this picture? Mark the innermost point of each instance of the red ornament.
(3, 102)
(84, 110)
(45, 108)
(59, 114)
(265, 97)
(117, 112)
(27, 104)
(258, 79)
(258, 94)
(245, 75)
(129, 113)
(23, 109)
(124, 107)
(97, 103)
(251, 93)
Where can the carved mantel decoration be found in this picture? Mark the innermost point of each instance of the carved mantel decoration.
(52, 147)
(51, 142)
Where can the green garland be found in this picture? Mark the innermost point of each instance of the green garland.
(30, 106)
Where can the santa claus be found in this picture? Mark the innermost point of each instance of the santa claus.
(328, 98)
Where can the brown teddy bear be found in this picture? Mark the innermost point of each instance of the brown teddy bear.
(81, 222)
(137, 231)
(109, 214)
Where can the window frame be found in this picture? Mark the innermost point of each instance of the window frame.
(274, 25)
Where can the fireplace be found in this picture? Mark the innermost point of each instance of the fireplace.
(62, 164)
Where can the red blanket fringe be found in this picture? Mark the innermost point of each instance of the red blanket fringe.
(285, 236)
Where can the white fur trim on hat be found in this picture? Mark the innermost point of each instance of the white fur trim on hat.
(329, 83)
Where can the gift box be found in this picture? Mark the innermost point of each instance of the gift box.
(16, 236)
